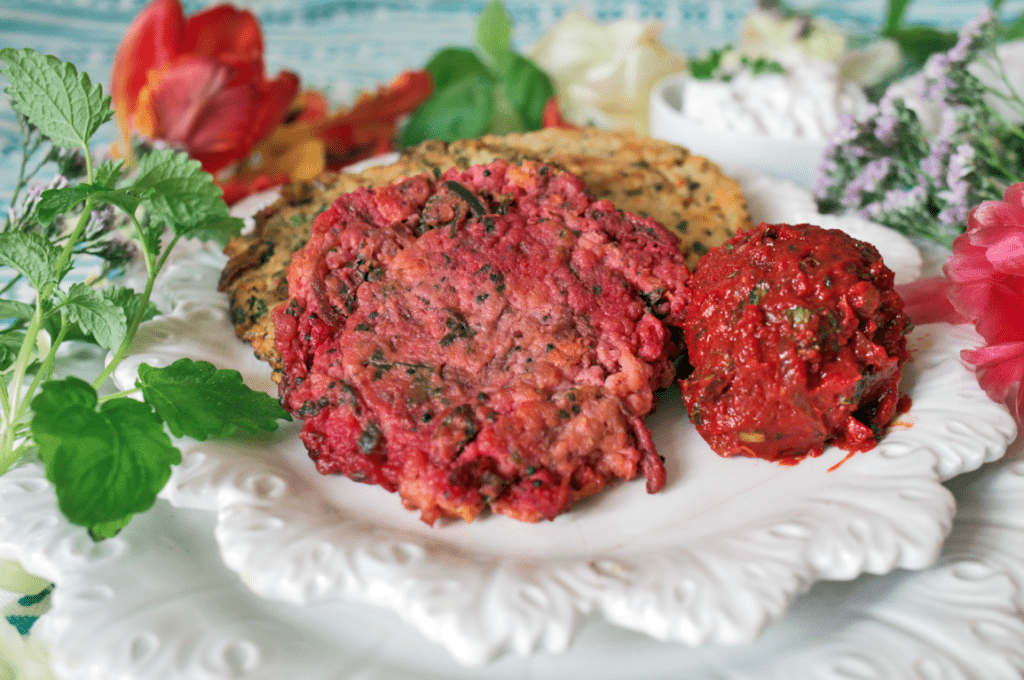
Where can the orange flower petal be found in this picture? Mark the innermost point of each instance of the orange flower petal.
(310, 106)
(236, 188)
(151, 41)
(368, 127)
(303, 161)
(275, 98)
(224, 33)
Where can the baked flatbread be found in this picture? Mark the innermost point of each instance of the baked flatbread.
(688, 194)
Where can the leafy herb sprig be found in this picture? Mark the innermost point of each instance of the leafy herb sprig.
(496, 90)
(107, 455)
(712, 66)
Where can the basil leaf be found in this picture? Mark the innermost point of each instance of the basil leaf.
(452, 63)
(494, 35)
(461, 110)
(63, 103)
(105, 464)
(920, 42)
(97, 316)
(529, 89)
(894, 15)
(199, 401)
(32, 256)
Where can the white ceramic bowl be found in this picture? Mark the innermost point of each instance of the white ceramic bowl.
(792, 159)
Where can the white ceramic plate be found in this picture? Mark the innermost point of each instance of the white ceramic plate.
(157, 603)
(713, 558)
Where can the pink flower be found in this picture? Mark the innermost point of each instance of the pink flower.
(986, 276)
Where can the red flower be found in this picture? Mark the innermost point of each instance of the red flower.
(552, 116)
(198, 83)
(986, 275)
(313, 140)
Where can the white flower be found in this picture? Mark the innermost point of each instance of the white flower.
(603, 73)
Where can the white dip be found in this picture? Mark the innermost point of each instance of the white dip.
(804, 102)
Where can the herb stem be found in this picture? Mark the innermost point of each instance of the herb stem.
(46, 370)
(118, 395)
(26, 153)
(152, 268)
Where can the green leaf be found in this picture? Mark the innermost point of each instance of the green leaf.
(452, 63)
(461, 110)
(109, 173)
(504, 117)
(529, 89)
(494, 35)
(109, 529)
(10, 344)
(105, 464)
(54, 202)
(1013, 30)
(177, 191)
(707, 66)
(920, 42)
(97, 316)
(13, 309)
(199, 401)
(218, 228)
(63, 103)
(894, 15)
(32, 256)
(129, 301)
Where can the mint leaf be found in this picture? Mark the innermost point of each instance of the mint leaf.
(453, 63)
(129, 301)
(54, 202)
(109, 173)
(32, 256)
(63, 103)
(199, 401)
(108, 529)
(124, 298)
(105, 464)
(182, 194)
(11, 342)
(218, 228)
(494, 35)
(97, 316)
(461, 110)
(529, 89)
(13, 309)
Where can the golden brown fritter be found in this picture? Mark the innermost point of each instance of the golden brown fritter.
(688, 194)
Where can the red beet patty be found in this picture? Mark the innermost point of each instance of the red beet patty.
(486, 339)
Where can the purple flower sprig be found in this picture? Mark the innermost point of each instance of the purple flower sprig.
(929, 149)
